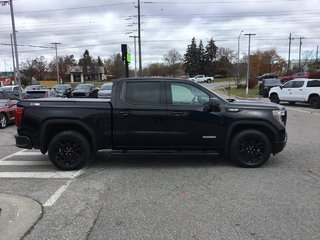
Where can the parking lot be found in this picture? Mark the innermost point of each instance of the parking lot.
(180, 196)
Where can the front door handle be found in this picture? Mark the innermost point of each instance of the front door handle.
(176, 113)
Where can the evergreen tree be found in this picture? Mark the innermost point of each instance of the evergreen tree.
(190, 59)
(210, 58)
(85, 63)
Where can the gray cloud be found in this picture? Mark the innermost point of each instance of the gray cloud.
(101, 26)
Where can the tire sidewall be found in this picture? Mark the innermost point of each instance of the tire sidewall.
(75, 137)
(5, 119)
(237, 140)
(314, 102)
(274, 98)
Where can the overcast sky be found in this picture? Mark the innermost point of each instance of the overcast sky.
(101, 26)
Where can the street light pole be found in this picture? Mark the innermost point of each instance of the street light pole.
(57, 61)
(248, 68)
(17, 72)
(239, 53)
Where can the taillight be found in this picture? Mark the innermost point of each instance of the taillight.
(19, 114)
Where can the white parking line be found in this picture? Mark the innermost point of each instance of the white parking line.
(59, 192)
(20, 152)
(25, 163)
(55, 175)
(27, 153)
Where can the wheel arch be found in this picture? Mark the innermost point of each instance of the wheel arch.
(51, 128)
(313, 95)
(265, 128)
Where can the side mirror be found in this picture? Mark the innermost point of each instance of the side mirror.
(281, 86)
(212, 105)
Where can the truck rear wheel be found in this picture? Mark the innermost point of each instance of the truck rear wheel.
(314, 102)
(69, 150)
(274, 98)
(250, 148)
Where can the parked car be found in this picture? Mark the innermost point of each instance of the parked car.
(266, 84)
(62, 90)
(34, 87)
(7, 111)
(41, 93)
(85, 91)
(294, 76)
(105, 90)
(267, 76)
(298, 90)
(202, 78)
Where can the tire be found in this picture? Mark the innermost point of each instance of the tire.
(265, 93)
(274, 98)
(314, 102)
(3, 120)
(250, 148)
(208, 80)
(69, 150)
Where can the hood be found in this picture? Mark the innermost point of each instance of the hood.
(255, 104)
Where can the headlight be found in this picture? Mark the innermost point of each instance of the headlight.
(280, 116)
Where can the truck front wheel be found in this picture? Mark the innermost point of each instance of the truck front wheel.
(250, 148)
(69, 150)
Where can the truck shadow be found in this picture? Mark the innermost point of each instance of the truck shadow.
(106, 159)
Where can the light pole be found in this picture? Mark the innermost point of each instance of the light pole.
(289, 61)
(57, 61)
(239, 53)
(17, 72)
(248, 68)
(135, 54)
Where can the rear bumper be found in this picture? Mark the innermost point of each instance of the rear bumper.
(23, 142)
(280, 145)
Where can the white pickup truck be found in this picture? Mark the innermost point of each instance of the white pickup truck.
(202, 78)
(299, 90)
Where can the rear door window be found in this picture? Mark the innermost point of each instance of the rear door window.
(148, 93)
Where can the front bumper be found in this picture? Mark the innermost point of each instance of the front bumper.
(280, 145)
(23, 142)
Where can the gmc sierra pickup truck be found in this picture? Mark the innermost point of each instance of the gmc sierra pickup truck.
(151, 114)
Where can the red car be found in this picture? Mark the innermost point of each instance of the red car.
(296, 75)
(7, 111)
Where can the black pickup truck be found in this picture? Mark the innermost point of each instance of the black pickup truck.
(151, 114)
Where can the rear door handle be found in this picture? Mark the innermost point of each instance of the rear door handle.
(125, 113)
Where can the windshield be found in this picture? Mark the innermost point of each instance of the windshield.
(83, 87)
(3, 103)
(106, 87)
(272, 82)
(60, 87)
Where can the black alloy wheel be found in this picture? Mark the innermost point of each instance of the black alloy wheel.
(3, 120)
(314, 102)
(250, 148)
(69, 150)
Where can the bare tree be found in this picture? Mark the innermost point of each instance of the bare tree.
(174, 61)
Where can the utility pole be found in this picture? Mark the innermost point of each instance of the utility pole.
(57, 61)
(17, 73)
(139, 39)
(248, 68)
(289, 61)
(135, 54)
(300, 52)
(13, 63)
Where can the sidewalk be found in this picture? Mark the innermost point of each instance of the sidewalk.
(17, 216)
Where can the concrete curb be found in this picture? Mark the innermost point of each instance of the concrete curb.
(18, 215)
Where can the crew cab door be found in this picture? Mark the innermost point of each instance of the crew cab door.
(139, 114)
(188, 125)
